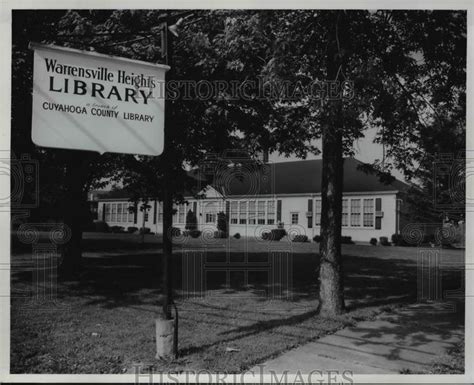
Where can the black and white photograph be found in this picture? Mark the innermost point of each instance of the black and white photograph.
(229, 193)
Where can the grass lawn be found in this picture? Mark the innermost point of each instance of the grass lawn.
(104, 322)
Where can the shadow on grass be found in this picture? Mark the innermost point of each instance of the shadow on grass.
(128, 286)
(118, 280)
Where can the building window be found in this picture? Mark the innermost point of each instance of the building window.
(317, 212)
(270, 212)
(368, 213)
(107, 212)
(179, 215)
(119, 212)
(113, 213)
(243, 213)
(233, 212)
(261, 212)
(210, 211)
(345, 212)
(210, 218)
(160, 213)
(182, 213)
(294, 218)
(125, 212)
(252, 213)
(355, 212)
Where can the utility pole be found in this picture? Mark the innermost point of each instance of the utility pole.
(167, 46)
(167, 327)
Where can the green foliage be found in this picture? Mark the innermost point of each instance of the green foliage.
(144, 230)
(117, 229)
(408, 69)
(274, 235)
(191, 221)
(384, 241)
(300, 238)
(346, 240)
(222, 223)
(175, 232)
(195, 233)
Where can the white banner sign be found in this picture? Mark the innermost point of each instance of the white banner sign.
(90, 101)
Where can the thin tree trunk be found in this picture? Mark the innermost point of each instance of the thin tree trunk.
(167, 252)
(167, 196)
(143, 226)
(331, 286)
(75, 208)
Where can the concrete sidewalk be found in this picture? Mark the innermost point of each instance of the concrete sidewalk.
(409, 338)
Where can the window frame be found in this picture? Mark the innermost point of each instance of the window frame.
(270, 203)
(243, 213)
(354, 213)
(297, 217)
(261, 220)
(371, 213)
(317, 210)
(347, 213)
(252, 214)
(234, 214)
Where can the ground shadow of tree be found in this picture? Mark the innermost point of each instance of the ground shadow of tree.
(116, 280)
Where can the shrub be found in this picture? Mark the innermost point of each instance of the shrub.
(191, 221)
(222, 225)
(300, 238)
(274, 235)
(397, 240)
(132, 229)
(100, 227)
(237, 236)
(195, 233)
(277, 234)
(117, 229)
(373, 241)
(175, 232)
(144, 230)
(429, 238)
(384, 241)
(317, 238)
(219, 234)
(346, 239)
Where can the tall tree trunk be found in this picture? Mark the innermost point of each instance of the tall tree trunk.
(331, 286)
(75, 208)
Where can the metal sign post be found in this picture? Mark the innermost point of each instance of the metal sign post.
(167, 326)
(95, 102)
